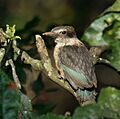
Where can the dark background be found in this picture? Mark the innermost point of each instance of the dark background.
(79, 13)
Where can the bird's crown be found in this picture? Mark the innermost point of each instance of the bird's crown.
(64, 30)
(69, 28)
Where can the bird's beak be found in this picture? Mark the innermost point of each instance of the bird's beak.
(48, 34)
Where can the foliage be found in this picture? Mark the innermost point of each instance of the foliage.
(9, 98)
(108, 106)
(12, 100)
(106, 31)
(53, 116)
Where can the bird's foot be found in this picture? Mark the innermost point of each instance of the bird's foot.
(84, 96)
(60, 77)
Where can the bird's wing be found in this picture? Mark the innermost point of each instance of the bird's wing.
(77, 66)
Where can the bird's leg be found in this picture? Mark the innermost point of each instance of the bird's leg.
(61, 74)
(85, 96)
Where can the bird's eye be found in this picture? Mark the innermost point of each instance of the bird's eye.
(63, 32)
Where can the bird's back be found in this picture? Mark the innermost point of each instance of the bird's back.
(75, 61)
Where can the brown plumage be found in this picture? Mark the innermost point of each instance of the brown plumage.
(73, 61)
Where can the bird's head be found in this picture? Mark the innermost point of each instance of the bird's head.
(61, 33)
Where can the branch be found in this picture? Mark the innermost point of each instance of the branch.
(36, 64)
(44, 64)
(2, 53)
(95, 52)
(50, 71)
(15, 77)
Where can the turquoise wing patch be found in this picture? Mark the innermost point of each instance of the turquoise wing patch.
(76, 75)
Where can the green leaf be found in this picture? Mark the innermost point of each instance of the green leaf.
(109, 102)
(17, 37)
(10, 31)
(26, 106)
(106, 31)
(53, 116)
(13, 103)
(108, 106)
(112, 36)
(87, 112)
(95, 32)
(9, 98)
(114, 8)
(110, 98)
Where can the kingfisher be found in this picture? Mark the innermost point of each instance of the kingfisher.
(74, 62)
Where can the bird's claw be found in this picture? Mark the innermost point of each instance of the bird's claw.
(60, 77)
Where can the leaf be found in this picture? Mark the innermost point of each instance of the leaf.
(109, 101)
(95, 32)
(17, 37)
(26, 106)
(108, 106)
(10, 31)
(86, 112)
(53, 116)
(114, 8)
(9, 98)
(13, 103)
(112, 36)
(106, 31)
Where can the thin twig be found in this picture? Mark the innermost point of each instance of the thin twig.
(36, 64)
(15, 77)
(95, 52)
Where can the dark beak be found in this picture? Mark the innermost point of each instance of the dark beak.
(48, 34)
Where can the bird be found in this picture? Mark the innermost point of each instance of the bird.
(74, 62)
